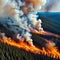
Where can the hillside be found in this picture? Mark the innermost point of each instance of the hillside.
(51, 24)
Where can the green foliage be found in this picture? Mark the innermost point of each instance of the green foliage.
(12, 53)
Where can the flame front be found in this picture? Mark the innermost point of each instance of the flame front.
(22, 45)
(45, 33)
(50, 51)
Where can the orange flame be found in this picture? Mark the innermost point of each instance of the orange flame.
(22, 45)
(50, 51)
(45, 33)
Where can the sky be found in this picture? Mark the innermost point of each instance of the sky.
(52, 6)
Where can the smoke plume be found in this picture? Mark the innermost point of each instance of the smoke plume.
(24, 12)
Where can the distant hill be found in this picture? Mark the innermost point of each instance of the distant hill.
(51, 20)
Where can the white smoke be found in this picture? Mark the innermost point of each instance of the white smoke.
(24, 12)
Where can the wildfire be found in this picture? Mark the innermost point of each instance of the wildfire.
(50, 51)
(24, 13)
(22, 45)
(45, 33)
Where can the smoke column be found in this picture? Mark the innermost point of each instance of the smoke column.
(24, 12)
